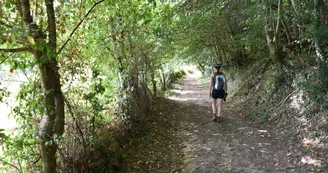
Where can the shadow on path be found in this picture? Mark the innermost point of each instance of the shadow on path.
(186, 140)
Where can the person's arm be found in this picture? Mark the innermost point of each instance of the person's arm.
(226, 84)
(211, 84)
(225, 88)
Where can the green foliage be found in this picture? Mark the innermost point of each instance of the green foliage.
(20, 147)
(2, 134)
(104, 68)
(21, 151)
(3, 94)
(124, 50)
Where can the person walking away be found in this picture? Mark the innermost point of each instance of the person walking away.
(218, 91)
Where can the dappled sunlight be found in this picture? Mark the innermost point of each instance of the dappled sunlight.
(314, 144)
(182, 99)
(178, 99)
(297, 101)
(311, 161)
(182, 92)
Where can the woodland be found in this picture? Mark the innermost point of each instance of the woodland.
(95, 70)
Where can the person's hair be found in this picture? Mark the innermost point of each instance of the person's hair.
(217, 66)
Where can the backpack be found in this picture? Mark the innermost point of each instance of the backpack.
(219, 81)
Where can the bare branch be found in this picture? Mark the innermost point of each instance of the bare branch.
(5, 59)
(14, 50)
(5, 162)
(70, 110)
(77, 26)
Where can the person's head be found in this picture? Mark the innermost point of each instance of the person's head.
(217, 67)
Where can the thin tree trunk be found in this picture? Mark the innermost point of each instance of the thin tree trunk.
(321, 44)
(54, 118)
(276, 35)
(288, 34)
(153, 81)
(269, 41)
(294, 7)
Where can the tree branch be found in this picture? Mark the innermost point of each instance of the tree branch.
(77, 26)
(14, 50)
(4, 24)
(5, 162)
(51, 25)
(5, 59)
(70, 110)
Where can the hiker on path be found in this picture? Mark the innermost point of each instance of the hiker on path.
(218, 91)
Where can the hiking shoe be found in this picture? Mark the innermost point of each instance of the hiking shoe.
(214, 119)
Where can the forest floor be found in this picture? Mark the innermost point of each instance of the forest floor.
(182, 138)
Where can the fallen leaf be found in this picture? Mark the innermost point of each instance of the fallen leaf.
(305, 145)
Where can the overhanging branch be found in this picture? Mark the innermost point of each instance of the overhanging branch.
(14, 50)
(77, 26)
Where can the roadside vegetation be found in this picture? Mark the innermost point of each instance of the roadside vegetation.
(92, 70)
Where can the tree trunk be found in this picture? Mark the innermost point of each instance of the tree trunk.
(276, 35)
(52, 122)
(321, 44)
(153, 81)
(269, 41)
(272, 35)
(163, 79)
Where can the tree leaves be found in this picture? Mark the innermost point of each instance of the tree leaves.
(31, 40)
(2, 134)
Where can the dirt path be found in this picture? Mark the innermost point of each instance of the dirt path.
(187, 141)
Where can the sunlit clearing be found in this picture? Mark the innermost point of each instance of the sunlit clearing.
(192, 71)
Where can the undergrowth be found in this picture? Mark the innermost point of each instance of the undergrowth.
(286, 97)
